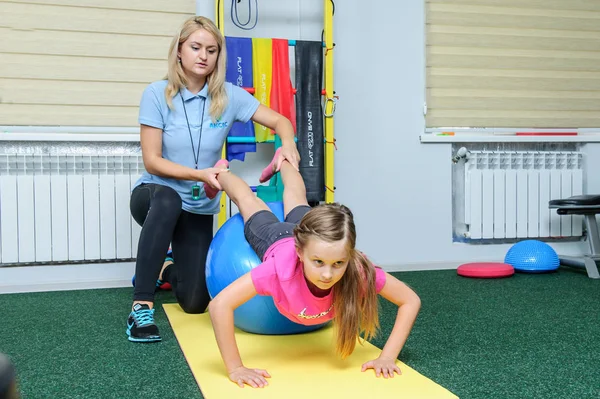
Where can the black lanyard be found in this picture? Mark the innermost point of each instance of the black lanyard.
(195, 152)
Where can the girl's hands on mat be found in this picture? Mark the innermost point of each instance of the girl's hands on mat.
(382, 366)
(253, 377)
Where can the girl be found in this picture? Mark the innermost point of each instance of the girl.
(184, 121)
(313, 272)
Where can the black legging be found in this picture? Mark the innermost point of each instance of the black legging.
(158, 210)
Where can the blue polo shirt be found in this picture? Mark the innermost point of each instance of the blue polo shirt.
(176, 143)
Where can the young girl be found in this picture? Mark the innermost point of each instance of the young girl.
(313, 272)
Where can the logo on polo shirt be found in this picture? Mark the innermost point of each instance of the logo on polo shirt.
(218, 124)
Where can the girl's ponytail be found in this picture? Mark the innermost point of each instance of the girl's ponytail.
(355, 296)
(355, 304)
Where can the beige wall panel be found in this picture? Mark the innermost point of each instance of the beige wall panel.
(83, 44)
(503, 83)
(484, 37)
(82, 62)
(513, 63)
(57, 92)
(163, 6)
(516, 73)
(26, 16)
(468, 120)
(517, 114)
(512, 17)
(510, 32)
(55, 115)
(582, 5)
(510, 52)
(490, 10)
(464, 102)
(524, 61)
(528, 94)
(25, 66)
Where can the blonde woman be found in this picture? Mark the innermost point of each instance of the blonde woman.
(184, 121)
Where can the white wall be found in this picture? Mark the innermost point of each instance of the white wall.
(65, 277)
(399, 189)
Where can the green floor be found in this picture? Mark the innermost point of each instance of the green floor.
(528, 336)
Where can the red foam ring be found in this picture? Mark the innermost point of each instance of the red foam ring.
(485, 270)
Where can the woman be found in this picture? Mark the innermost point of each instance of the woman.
(184, 123)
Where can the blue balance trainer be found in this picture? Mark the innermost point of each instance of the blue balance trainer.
(532, 256)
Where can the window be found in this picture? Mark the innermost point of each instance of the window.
(85, 62)
(513, 63)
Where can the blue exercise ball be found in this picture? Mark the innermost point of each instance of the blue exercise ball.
(532, 256)
(230, 257)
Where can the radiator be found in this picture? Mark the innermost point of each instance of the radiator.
(506, 194)
(67, 208)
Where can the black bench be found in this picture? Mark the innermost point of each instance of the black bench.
(589, 206)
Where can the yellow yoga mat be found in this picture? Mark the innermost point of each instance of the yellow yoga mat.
(301, 366)
(262, 67)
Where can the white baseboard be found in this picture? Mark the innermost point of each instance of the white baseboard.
(415, 267)
(65, 277)
(115, 275)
